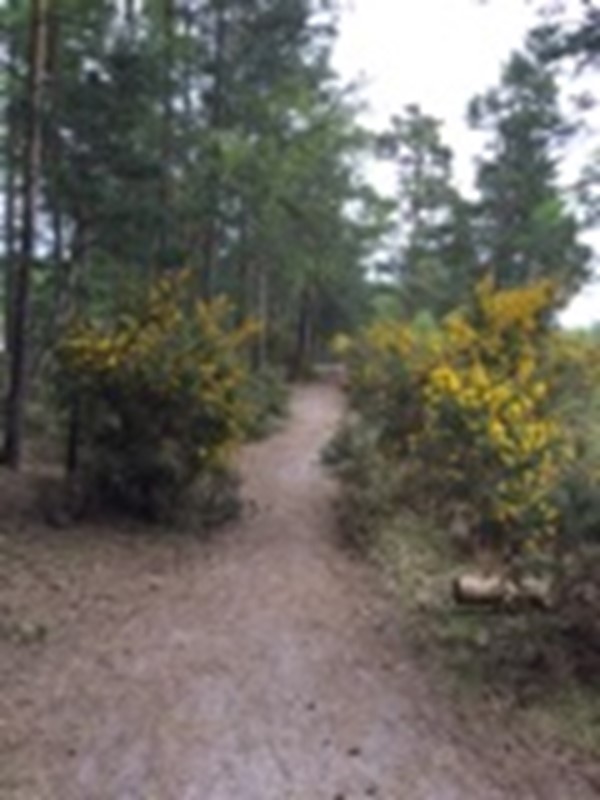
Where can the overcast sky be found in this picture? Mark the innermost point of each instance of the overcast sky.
(438, 53)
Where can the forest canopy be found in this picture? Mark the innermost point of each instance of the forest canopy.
(143, 137)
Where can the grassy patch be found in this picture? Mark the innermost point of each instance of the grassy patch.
(267, 395)
(527, 661)
(522, 659)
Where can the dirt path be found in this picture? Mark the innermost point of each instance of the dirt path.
(266, 665)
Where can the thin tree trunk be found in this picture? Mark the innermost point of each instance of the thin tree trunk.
(302, 355)
(17, 390)
(212, 230)
(53, 146)
(263, 315)
(73, 438)
(166, 216)
(11, 188)
(130, 15)
(243, 299)
(188, 232)
(188, 89)
(76, 285)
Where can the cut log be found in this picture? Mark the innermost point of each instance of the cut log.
(479, 589)
(497, 591)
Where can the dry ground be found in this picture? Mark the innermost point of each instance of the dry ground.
(265, 664)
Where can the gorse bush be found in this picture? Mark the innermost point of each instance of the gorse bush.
(267, 395)
(576, 369)
(482, 433)
(372, 489)
(157, 394)
(470, 405)
(489, 421)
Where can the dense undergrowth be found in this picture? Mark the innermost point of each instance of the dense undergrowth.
(473, 447)
(266, 395)
(156, 399)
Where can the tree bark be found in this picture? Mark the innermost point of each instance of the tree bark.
(263, 316)
(130, 15)
(11, 188)
(302, 355)
(18, 364)
(212, 225)
(166, 216)
(53, 147)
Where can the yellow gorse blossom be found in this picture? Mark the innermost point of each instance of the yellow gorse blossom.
(471, 400)
(176, 360)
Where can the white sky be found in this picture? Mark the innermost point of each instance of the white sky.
(439, 54)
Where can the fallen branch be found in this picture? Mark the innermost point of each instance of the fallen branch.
(500, 591)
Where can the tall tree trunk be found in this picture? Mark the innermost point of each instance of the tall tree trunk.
(73, 438)
(166, 198)
(188, 80)
(244, 287)
(54, 151)
(11, 187)
(302, 355)
(74, 300)
(263, 316)
(18, 362)
(130, 15)
(212, 229)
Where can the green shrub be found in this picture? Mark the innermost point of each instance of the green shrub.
(267, 396)
(372, 486)
(577, 369)
(439, 421)
(468, 405)
(158, 397)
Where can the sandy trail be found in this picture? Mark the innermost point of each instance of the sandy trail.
(265, 665)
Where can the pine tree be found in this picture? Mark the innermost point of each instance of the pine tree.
(19, 350)
(435, 263)
(209, 134)
(525, 228)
